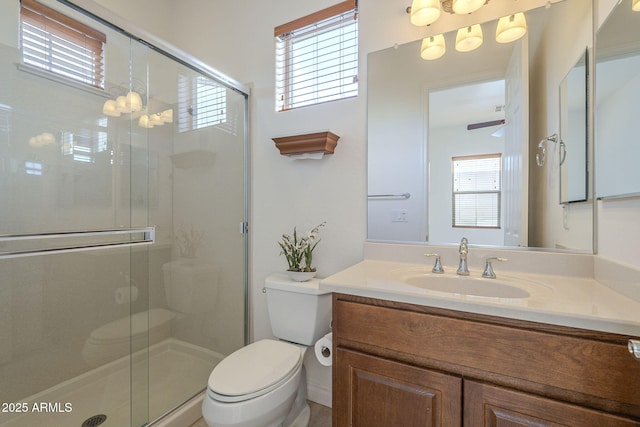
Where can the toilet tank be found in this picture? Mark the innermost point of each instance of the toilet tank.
(299, 312)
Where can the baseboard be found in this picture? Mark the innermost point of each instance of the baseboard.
(319, 394)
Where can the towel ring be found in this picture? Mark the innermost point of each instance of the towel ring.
(541, 156)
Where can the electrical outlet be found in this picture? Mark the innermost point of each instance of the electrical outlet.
(400, 215)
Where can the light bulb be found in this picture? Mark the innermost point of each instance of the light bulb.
(109, 108)
(467, 6)
(433, 47)
(511, 28)
(635, 6)
(133, 102)
(156, 119)
(469, 38)
(167, 115)
(121, 104)
(424, 12)
(144, 122)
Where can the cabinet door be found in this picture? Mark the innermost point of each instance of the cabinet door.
(374, 392)
(489, 406)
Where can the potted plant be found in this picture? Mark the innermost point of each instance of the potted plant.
(298, 250)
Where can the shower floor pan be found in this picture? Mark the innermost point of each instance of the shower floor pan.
(176, 371)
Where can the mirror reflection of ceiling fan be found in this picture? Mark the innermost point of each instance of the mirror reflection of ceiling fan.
(499, 132)
(480, 125)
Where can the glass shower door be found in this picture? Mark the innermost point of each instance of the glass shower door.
(73, 238)
(197, 189)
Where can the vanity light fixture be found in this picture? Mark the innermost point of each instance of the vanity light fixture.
(511, 28)
(129, 103)
(635, 6)
(424, 12)
(433, 47)
(148, 121)
(469, 38)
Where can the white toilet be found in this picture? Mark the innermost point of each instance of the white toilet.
(264, 384)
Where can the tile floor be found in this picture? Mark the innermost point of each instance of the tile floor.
(320, 417)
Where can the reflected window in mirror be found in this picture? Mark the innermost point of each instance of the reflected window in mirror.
(477, 191)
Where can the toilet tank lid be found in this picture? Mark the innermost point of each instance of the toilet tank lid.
(282, 282)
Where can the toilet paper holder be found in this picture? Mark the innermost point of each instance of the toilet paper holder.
(326, 351)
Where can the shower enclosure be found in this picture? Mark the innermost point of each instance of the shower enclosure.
(123, 246)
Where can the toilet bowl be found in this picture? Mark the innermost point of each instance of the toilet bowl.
(117, 338)
(264, 383)
(255, 386)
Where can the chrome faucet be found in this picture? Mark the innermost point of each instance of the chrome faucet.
(437, 266)
(488, 272)
(463, 250)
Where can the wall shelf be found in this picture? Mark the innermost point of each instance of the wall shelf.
(319, 143)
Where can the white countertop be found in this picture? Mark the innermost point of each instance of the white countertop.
(580, 302)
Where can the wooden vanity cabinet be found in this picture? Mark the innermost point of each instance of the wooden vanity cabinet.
(398, 364)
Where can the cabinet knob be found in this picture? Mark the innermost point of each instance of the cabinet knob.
(634, 349)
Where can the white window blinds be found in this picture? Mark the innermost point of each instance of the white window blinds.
(317, 58)
(203, 103)
(477, 191)
(57, 43)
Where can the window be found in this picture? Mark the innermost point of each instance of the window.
(317, 57)
(59, 44)
(202, 103)
(477, 191)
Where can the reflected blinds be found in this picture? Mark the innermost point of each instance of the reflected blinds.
(476, 191)
(57, 43)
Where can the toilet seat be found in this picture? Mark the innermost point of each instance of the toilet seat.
(254, 370)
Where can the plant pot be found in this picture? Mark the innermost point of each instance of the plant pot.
(301, 276)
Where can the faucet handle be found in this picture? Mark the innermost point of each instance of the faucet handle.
(437, 267)
(488, 269)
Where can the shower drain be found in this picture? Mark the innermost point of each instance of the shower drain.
(94, 421)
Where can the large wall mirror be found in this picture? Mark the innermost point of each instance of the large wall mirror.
(452, 141)
(617, 128)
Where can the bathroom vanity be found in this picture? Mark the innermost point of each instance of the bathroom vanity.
(415, 358)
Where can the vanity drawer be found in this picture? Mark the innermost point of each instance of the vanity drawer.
(594, 370)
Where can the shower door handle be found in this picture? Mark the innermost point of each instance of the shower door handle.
(79, 241)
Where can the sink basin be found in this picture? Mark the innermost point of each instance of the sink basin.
(464, 285)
